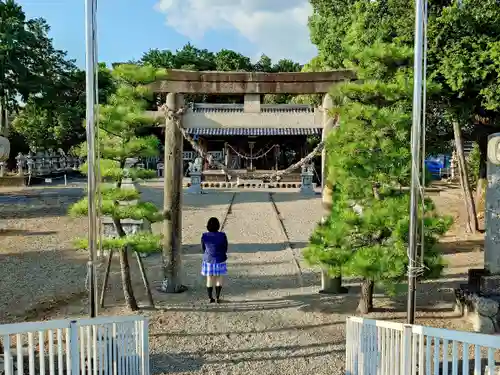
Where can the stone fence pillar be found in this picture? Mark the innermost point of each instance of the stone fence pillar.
(306, 180)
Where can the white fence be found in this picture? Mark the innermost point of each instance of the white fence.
(386, 348)
(100, 346)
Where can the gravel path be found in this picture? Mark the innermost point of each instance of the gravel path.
(267, 323)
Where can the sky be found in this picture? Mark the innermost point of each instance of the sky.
(128, 28)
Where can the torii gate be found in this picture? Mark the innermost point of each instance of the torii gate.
(251, 85)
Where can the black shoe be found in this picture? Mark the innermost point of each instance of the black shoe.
(210, 291)
(212, 300)
(217, 293)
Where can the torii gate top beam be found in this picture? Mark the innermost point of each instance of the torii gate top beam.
(193, 82)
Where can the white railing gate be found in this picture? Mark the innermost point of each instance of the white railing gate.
(100, 346)
(376, 347)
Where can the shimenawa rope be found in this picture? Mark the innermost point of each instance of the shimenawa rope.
(175, 117)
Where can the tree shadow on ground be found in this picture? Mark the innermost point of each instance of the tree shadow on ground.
(38, 203)
(21, 232)
(229, 333)
(458, 247)
(194, 361)
(171, 363)
(433, 297)
(245, 248)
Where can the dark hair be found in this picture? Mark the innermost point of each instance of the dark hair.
(213, 224)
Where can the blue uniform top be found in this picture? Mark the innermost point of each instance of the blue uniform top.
(214, 246)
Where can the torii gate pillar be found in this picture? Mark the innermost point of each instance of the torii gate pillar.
(172, 204)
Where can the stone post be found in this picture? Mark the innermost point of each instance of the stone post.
(453, 165)
(227, 155)
(195, 187)
(328, 285)
(306, 179)
(29, 163)
(492, 224)
(172, 225)
(20, 164)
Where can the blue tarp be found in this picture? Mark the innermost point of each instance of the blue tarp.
(435, 163)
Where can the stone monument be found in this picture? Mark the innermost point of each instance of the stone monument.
(194, 170)
(479, 299)
(306, 180)
(490, 281)
(4, 153)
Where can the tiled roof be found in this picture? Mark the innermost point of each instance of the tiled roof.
(254, 131)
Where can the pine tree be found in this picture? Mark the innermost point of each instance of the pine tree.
(368, 162)
(122, 124)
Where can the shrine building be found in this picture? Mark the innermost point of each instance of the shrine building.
(249, 136)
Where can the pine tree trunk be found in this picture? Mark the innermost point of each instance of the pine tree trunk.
(128, 292)
(366, 300)
(370, 293)
(471, 223)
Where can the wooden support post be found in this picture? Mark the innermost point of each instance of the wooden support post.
(144, 277)
(172, 225)
(328, 285)
(471, 222)
(106, 278)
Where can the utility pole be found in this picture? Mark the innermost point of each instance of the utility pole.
(90, 68)
(415, 152)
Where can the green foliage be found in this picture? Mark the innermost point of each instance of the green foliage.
(109, 207)
(473, 160)
(56, 119)
(192, 58)
(368, 156)
(29, 63)
(140, 242)
(121, 122)
(373, 244)
(463, 55)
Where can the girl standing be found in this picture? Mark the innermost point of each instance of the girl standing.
(214, 245)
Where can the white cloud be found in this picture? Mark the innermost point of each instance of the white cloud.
(277, 28)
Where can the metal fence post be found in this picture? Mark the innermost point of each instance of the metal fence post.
(406, 353)
(348, 347)
(74, 348)
(145, 347)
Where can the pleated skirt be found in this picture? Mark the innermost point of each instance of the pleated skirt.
(213, 269)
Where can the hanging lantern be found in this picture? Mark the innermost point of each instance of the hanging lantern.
(4, 149)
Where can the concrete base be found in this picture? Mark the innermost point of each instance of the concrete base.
(195, 189)
(331, 285)
(479, 301)
(307, 190)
